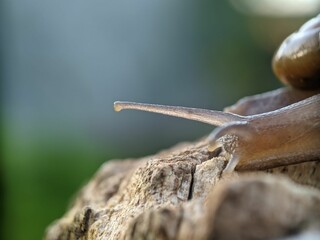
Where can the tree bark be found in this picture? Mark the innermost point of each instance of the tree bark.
(181, 193)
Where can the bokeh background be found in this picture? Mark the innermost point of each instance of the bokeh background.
(64, 63)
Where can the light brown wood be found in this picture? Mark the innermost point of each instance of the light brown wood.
(179, 194)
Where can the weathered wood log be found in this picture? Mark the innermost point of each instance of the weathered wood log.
(180, 194)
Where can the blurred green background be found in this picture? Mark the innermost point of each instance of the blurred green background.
(64, 63)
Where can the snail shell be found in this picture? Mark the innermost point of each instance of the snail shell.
(297, 61)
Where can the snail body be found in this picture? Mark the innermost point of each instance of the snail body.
(276, 128)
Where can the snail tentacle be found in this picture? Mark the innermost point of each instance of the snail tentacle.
(215, 118)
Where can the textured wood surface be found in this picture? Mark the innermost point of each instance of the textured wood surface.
(181, 193)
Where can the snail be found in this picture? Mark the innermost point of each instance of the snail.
(272, 129)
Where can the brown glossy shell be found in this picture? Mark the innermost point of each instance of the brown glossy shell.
(297, 61)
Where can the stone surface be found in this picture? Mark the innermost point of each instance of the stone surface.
(181, 193)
